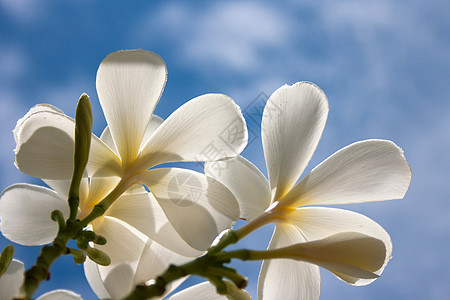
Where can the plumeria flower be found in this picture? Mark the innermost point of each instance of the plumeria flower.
(129, 84)
(371, 170)
(12, 279)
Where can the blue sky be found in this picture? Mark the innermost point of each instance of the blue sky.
(384, 65)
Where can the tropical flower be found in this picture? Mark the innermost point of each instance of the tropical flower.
(129, 84)
(12, 279)
(370, 170)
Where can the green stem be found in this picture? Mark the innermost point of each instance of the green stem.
(41, 269)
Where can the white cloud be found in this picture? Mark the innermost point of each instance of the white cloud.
(231, 35)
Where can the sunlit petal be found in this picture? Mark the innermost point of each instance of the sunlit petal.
(371, 170)
(351, 254)
(319, 222)
(143, 212)
(204, 290)
(92, 273)
(129, 84)
(35, 109)
(60, 295)
(124, 246)
(45, 146)
(287, 278)
(245, 181)
(292, 124)
(11, 280)
(207, 128)
(25, 214)
(197, 206)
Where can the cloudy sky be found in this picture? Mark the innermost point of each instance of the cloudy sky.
(384, 65)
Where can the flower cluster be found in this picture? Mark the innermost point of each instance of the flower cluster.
(144, 217)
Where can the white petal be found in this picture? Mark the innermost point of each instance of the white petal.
(99, 188)
(143, 212)
(197, 206)
(292, 124)
(371, 170)
(92, 274)
(154, 261)
(152, 125)
(319, 222)
(35, 109)
(245, 181)
(60, 295)
(124, 246)
(129, 84)
(207, 128)
(25, 213)
(204, 290)
(61, 187)
(45, 149)
(351, 254)
(11, 280)
(287, 278)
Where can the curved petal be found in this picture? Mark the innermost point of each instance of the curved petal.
(316, 223)
(11, 280)
(348, 255)
(60, 295)
(204, 290)
(287, 278)
(371, 170)
(45, 149)
(35, 109)
(61, 187)
(292, 124)
(207, 128)
(197, 206)
(94, 279)
(143, 212)
(25, 213)
(124, 246)
(129, 84)
(245, 181)
(155, 259)
(99, 188)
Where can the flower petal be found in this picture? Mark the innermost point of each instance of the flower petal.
(11, 280)
(351, 254)
(45, 145)
(25, 213)
(204, 290)
(287, 278)
(143, 212)
(245, 181)
(371, 170)
(129, 84)
(152, 125)
(94, 279)
(124, 246)
(292, 124)
(197, 206)
(60, 295)
(35, 109)
(316, 223)
(207, 128)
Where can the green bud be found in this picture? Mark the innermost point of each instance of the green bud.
(78, 256)
(58, 217)
(5, 258)
(98, 256)
(83, 135)
(100, 240)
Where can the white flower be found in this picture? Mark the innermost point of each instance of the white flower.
(129, 84)
(12, 279)
(371, 170)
